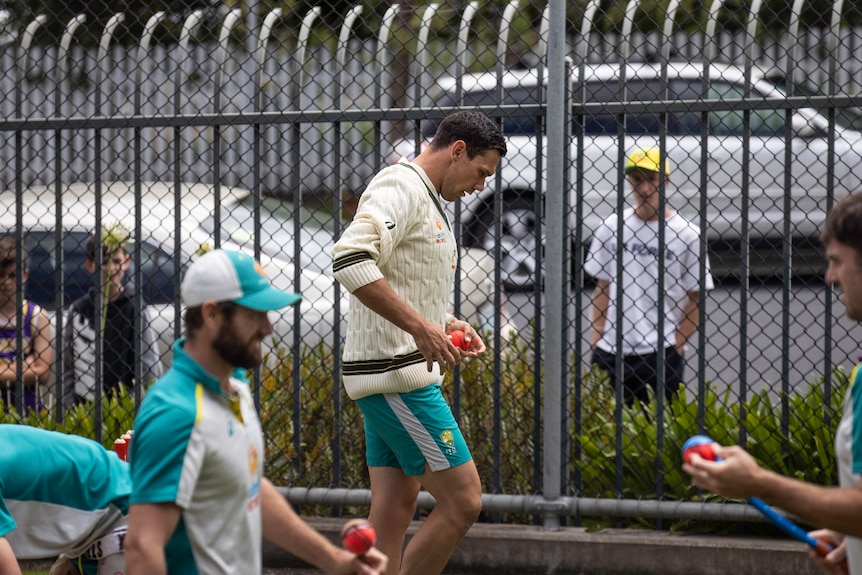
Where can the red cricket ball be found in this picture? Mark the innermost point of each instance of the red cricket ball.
(358, 536)
(702, 449)
(459, 339)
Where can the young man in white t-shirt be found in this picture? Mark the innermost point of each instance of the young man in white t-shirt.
(648, 329)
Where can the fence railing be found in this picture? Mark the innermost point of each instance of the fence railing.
(764, 133)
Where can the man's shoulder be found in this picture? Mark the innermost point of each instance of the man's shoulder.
(402, 176)
(174, 393)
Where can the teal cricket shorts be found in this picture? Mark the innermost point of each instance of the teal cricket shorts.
(406, 430)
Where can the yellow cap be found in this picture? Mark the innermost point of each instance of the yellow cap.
(647, 159)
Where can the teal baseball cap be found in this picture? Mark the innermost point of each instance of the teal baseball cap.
(224, 275)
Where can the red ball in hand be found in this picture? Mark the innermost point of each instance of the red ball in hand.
(358, 536)
(704, 450)
(459, 339)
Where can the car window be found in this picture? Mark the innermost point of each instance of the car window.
(158, 269)
(846, 117)
(520, 124)
(764, 123)
(158, 273)
(277, 230)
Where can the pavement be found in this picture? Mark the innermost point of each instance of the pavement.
(531, 550)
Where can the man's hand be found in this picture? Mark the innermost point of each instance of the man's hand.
(835, 563)
(372, 562)
(476, 346)
(436, 347)
(738, 475)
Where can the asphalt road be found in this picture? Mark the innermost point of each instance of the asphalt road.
(759, 359)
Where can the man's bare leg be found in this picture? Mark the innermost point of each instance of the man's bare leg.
(458, 492)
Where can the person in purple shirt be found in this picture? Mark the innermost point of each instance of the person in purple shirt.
(36, 355)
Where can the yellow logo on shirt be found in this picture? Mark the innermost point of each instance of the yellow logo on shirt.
(253, 460)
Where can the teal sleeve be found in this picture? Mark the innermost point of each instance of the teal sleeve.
(163, 429)
(7, 523)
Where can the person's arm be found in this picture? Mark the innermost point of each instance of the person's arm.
(432, 341)
(150, 527)
(601, 301)
(8, 562)
(688, 323)
(37, 365)
(739, 476)
(285, 528)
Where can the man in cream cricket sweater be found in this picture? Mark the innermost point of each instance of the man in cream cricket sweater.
(398, 259)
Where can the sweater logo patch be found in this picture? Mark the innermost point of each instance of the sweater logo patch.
(390, 225)
(441, 235)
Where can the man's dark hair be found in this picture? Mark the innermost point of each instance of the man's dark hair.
(108, 248)
(844, 223)
(194, 317)
(477, 130)
(8, 257)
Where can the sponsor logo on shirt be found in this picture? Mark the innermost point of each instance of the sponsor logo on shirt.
(643, 250)
(441, 235)
(254, 469)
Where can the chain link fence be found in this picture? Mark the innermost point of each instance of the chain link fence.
(257, 126)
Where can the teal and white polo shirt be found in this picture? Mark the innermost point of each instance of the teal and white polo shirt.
(202, 450)
(848, 450)
(58, 492)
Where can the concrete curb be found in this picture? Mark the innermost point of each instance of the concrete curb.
(530, 550)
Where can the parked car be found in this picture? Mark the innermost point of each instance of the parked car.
(159, 242)
(723, 221)
(160, 273)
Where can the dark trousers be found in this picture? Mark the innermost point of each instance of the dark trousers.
(639, 371)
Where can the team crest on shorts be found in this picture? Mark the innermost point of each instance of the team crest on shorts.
(447, 438)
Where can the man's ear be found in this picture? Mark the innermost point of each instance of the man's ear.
(458, 149)
(209, 311)
(90, 265)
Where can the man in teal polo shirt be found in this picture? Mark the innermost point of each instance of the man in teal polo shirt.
(200, 501)
(61, 494)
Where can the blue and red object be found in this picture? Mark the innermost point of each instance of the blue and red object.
(702, 445)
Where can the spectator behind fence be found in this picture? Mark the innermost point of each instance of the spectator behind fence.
(61, 495)
(116, 313)
(398, 259)
(637, 291)
(37, 353)
(837, 509)
(201, 503)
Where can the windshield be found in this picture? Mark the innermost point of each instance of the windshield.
(277, 226)
(849, 118)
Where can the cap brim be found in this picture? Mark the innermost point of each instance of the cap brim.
(270, 299)
(638, 167)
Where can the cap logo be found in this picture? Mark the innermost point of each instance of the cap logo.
(259, 269)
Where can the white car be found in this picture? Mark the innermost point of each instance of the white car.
(160, 241)
(723, 221)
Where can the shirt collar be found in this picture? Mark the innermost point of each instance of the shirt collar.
(184, 363)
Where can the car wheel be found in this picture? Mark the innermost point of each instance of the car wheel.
(519, 251)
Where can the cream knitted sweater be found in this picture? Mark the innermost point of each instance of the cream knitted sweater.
(400, 232)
